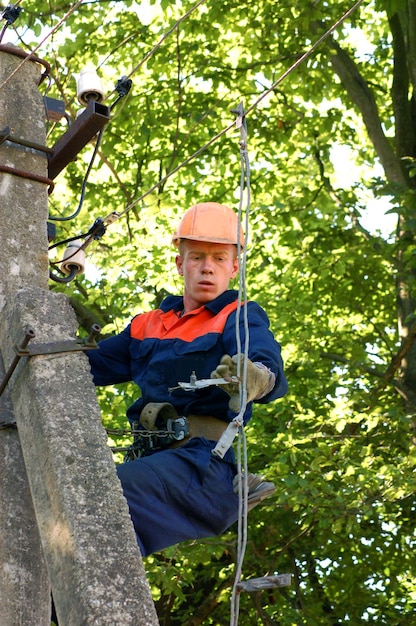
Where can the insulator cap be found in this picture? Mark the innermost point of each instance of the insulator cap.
(74, 256)
(89, 86)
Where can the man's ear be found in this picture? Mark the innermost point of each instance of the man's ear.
(179, 264)
(236, 267)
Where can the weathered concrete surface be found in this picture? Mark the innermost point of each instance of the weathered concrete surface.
(86, 536)
(23, 202)
(88, 540)
(24, 583)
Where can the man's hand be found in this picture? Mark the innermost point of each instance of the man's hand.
(257, 379)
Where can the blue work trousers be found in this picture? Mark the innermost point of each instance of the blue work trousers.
(179, 494)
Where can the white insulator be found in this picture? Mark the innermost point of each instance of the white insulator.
(74, 257)
(89, 86)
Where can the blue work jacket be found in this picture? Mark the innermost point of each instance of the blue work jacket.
(162, 348)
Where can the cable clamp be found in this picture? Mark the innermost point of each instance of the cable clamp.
(195, 384)
(99, 228)
(226, 440)
(240, 123)
(10, 14)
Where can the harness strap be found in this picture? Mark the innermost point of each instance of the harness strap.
(155, 416)
(160, 427)
(203, 426)
(154, 412)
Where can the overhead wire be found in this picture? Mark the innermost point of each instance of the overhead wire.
(225, 130)
(47, 36)
(193, 156)
(306, 55)
(66, 218)
(115, 216)
(163, 38)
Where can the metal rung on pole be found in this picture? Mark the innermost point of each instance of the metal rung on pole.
(266, 582)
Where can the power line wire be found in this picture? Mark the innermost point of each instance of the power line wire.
(291, 69)
(163, 38)
(242, 462)
(115, 216)
(50, 33)
(306, 55)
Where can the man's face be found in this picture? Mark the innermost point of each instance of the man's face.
(207, 269)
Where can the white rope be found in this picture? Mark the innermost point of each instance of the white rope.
(242, 465)
(242, 528)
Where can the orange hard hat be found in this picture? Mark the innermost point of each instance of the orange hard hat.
(211, 222)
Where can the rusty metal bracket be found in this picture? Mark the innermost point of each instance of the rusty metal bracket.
(29, 175)
(85, 127)
(29, 334)
(66, 345)
(6, 135)
(52, 347)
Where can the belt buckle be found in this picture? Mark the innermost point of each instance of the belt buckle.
(178, 428)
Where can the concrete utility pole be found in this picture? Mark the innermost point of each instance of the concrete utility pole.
(87, 548)
(24, 583)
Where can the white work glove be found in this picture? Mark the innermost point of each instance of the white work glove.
(257, 379)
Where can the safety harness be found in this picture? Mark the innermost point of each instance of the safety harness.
(159, 427)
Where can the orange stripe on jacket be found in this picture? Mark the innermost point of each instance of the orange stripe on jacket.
(160, 325)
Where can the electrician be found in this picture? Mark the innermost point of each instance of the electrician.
(176, 489)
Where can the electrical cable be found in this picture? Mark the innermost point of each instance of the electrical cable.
(49, 34)
(10, 14)
(96, 231)
(64, 279)
(242, 523)
(163, 38)
(115, 216)
(112, 217)
(306, 55)
(218, 135)
(84, 184)
(122, 87)
(267, 92)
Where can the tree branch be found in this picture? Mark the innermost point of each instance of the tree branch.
(405, 136)
(337, 358)
(363, 98)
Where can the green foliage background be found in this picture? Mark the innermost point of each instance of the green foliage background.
(340, 297)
